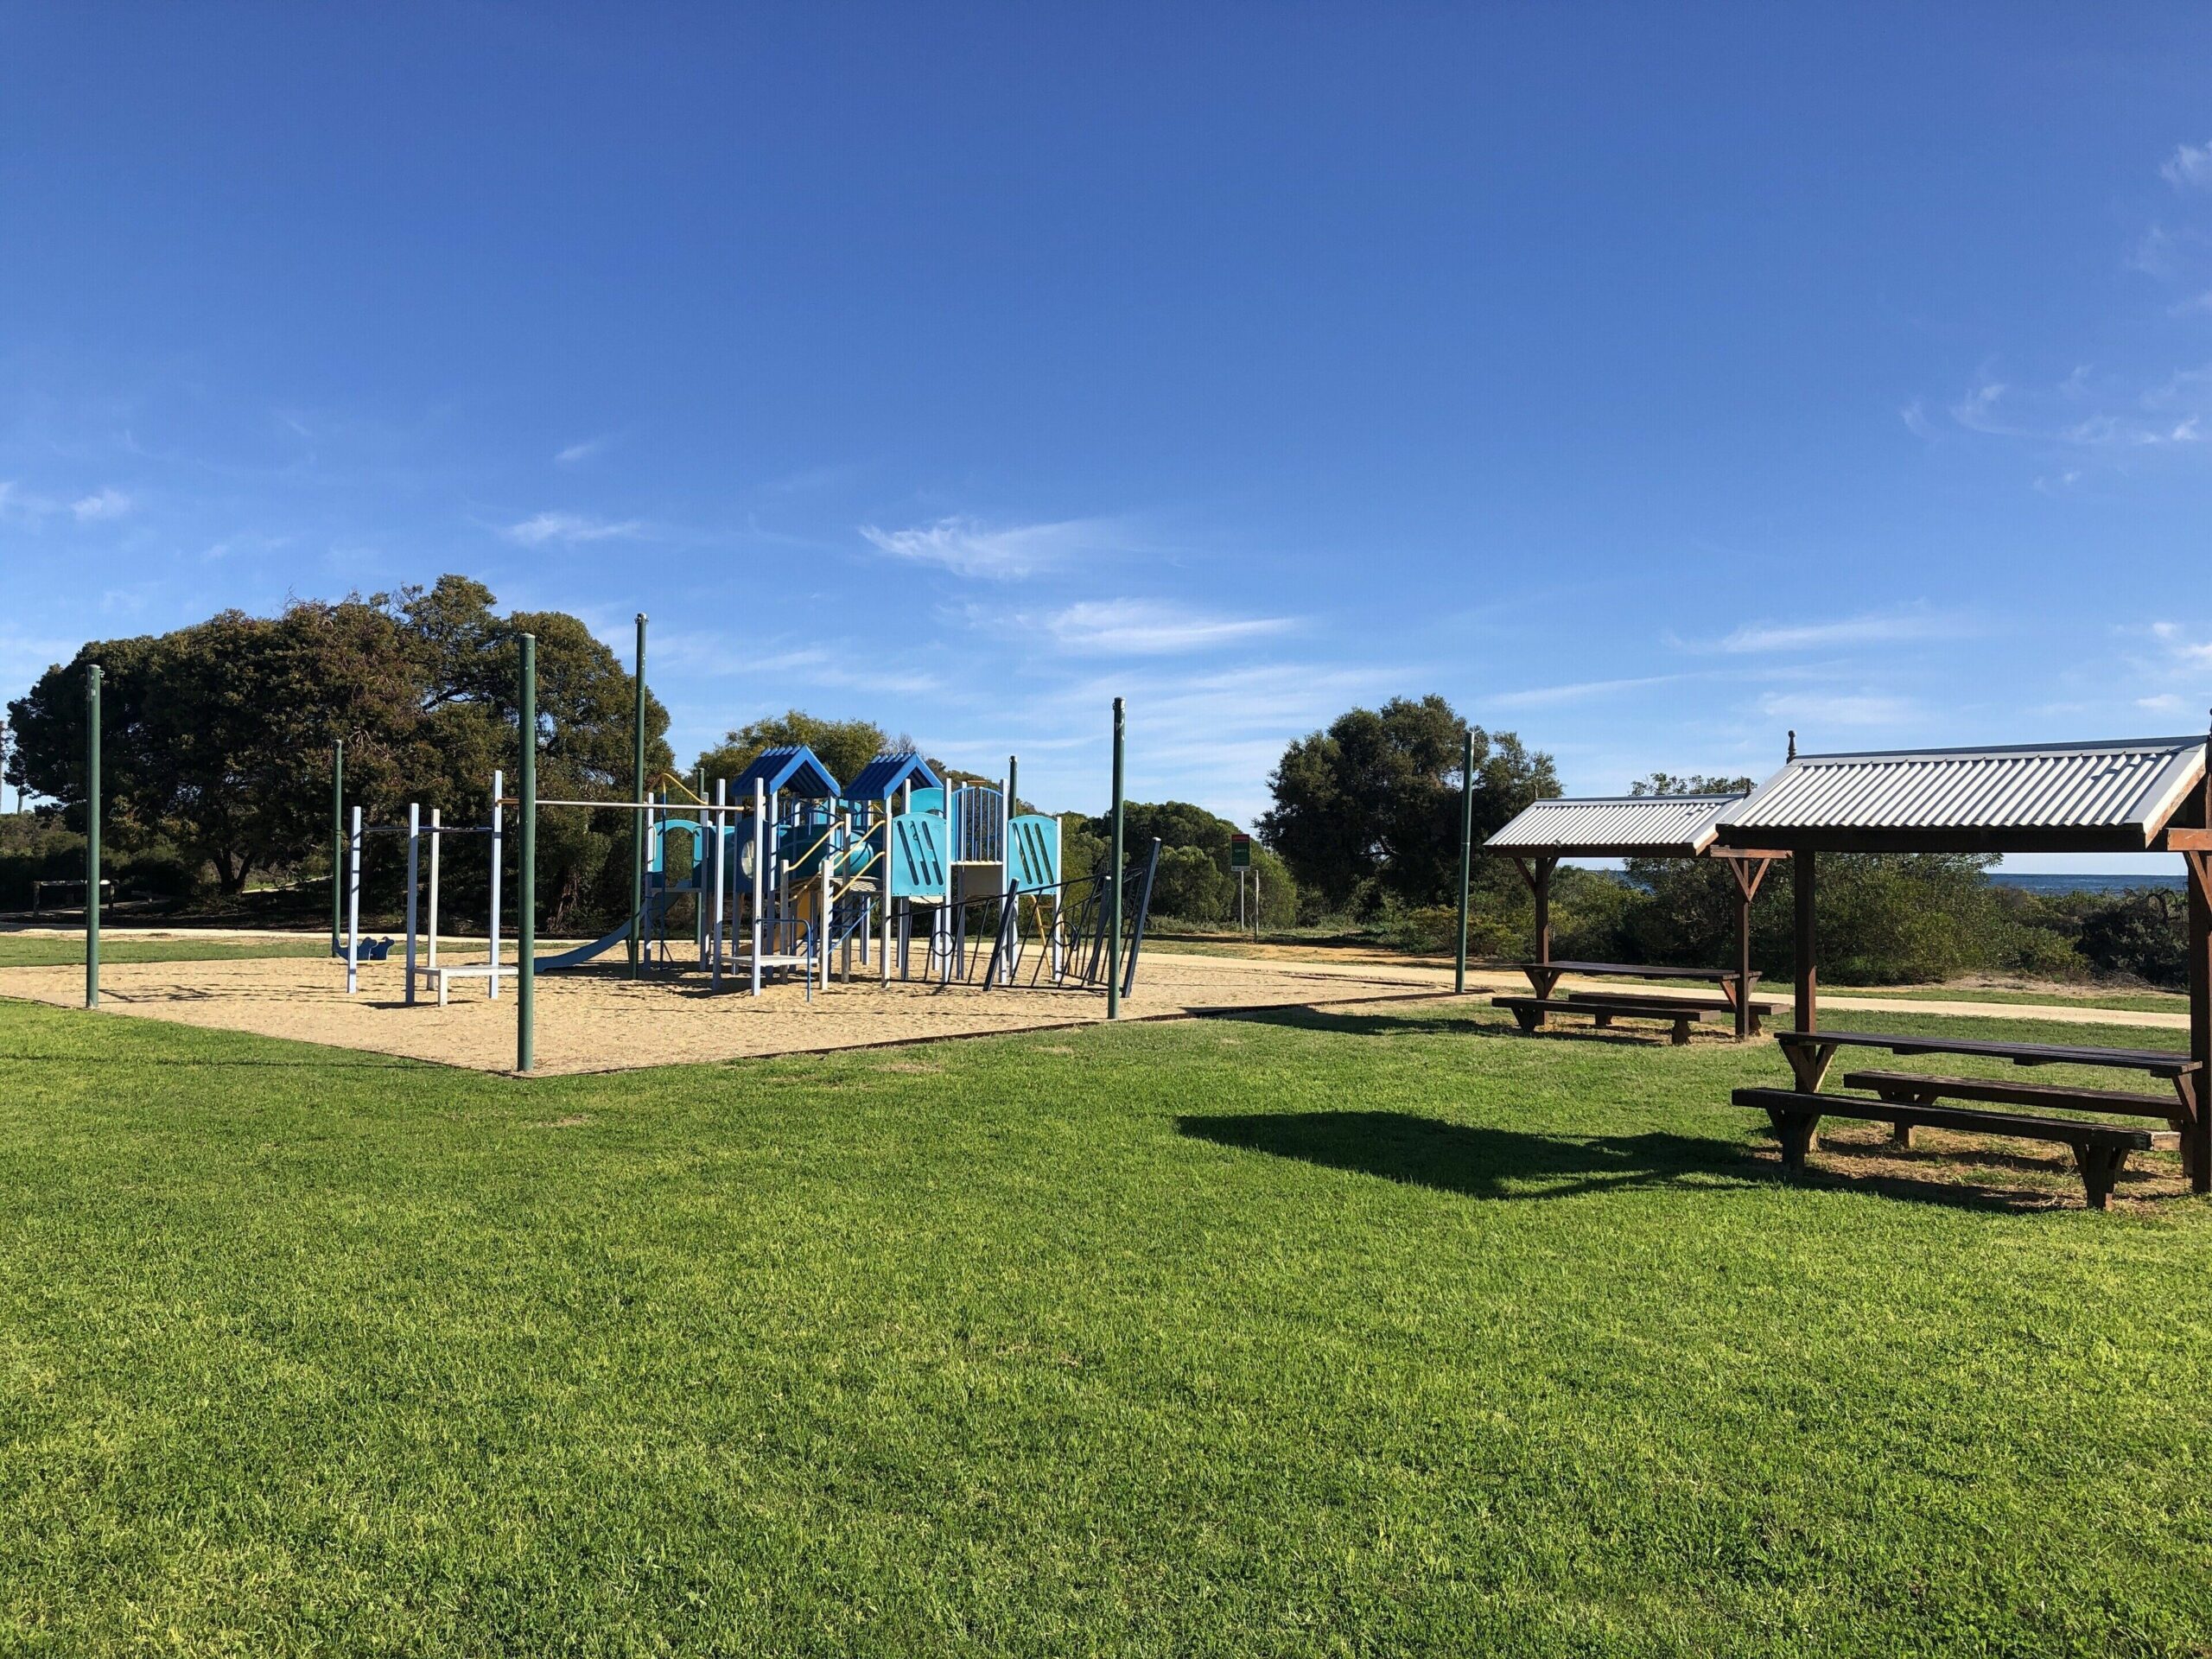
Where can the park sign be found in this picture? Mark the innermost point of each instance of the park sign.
(1240, 852)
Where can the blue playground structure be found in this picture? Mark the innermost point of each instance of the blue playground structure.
(792, 875)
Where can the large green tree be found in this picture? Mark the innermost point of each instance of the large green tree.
(1369, 808)
(218, 737)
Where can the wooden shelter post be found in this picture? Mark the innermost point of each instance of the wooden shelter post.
(1537, 873)
(1750, 870)
(2198, 1154)
(1808, 1015)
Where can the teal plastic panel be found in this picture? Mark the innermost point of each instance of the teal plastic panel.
(1036, 852)
(918, 861)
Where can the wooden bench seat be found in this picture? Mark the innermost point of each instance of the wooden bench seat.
(1529, 1012)
(1913, 1087)
(1759, 1011)
(442, 976)
(2100, 1150)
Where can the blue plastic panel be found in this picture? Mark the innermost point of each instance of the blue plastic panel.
(918, 861)
(1036, 861)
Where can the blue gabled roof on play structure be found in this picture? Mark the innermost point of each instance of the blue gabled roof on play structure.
(790, 767)
(882, 777)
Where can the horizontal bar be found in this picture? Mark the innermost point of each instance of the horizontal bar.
(676, 808)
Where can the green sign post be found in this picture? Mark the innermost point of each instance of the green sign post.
(1240, 852)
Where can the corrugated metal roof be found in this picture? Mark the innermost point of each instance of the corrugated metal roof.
(1618, 826)
(2124, 789)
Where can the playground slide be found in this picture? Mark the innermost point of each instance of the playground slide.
(582, 953)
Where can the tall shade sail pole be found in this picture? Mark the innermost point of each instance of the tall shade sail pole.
(1114, 880)
(638, 818)
(437, 840)
(93, 837)
(1466, 854)
(336, 845)
(526, 875)
(414, 887)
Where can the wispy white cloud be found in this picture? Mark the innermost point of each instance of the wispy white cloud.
(584, 450)
(1817, 709)
(2156, 254)
(1887, 627)
(24, 657)
(1915, 416)
(2180, 650)
(968, 547)
(570, 527)
(1978, 411)
(1546, 696)
(840, 665)
(110, 503)
(1140, 627)
(2189, 167)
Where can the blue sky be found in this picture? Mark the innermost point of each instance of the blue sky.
(1647, 382)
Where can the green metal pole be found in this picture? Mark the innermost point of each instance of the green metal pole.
(1467, 852)
(638, 817)
(92, 837)
(338, 847)
(1114, 948)
(526, 922)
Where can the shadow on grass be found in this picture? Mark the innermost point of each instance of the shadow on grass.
(1966, 1174)
(1345, 1022)
(1479, 1163)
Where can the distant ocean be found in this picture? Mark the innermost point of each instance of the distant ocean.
(2088, 883)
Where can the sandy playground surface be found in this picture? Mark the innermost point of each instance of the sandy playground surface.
(601, 1022)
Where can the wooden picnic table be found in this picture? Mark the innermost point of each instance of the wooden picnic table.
(1543, 976)
(1907, 1100)
(1602, 1006)
(1811, 1052)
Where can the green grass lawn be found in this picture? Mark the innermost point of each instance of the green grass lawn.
(1360, 1334)
(2089, 997)
(24, 950)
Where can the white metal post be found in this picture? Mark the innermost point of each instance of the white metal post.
(414, 894)
(783, 871)
(353, 910)
(760, 872)
(719, 832)
(822, 922)
(499, 822)
(867, 929)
